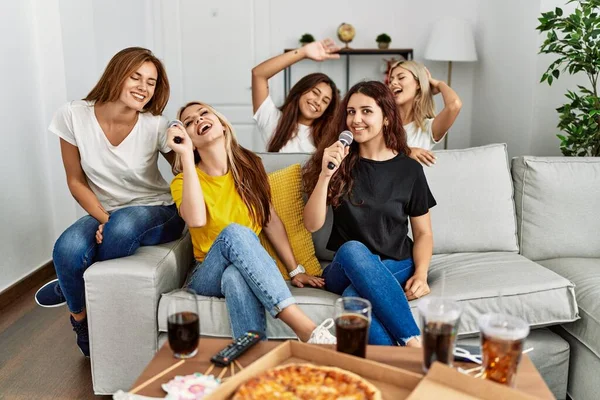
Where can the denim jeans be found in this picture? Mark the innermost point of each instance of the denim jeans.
(127, 229)
(238, 268)
(355, 271)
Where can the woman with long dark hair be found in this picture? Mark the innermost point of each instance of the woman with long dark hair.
(374, 188)
(222, 192)
(299, 124)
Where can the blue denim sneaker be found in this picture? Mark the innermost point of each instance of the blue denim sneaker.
(50, 295)
(83, 339)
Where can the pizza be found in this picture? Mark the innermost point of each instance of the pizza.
(307, 382)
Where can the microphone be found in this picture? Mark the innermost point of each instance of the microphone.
(346, 138)
(176, 139)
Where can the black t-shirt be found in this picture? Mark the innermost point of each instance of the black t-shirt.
(384, 195)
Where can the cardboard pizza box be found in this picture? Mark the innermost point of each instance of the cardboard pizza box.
(443, 382)
(394, 383)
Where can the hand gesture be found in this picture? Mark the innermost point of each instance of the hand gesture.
(185, 146)
(322, 50)
(334, 154)
(304, 279)
(416, 287)
(99, 236)
(433, 83)
(423, 156)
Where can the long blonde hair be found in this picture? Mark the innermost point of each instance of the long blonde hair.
(423, 105)
(249, 175)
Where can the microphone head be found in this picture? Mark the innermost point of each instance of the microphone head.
(346, 138)
(174, 122)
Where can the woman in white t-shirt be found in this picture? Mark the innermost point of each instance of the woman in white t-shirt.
(414, 88)
(299, 124)
(110, 143)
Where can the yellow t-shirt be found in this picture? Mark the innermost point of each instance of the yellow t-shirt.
(224, 206)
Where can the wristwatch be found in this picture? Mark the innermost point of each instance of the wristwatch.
(299, 270)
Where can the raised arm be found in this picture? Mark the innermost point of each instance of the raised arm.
(452, 105)
(192, 207)
(315, 210)
(78, 184)
(319, 51)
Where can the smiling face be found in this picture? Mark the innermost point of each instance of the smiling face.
(364, 118)
(403, 85)
(139, 87)
(314, 102)
(202, 125)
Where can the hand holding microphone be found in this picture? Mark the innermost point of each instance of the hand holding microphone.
(177, 138)
(335, 154)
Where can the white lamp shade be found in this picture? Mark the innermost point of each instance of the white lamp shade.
(451, 39)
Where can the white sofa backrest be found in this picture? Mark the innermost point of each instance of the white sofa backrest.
(558, 206)
(475, 210)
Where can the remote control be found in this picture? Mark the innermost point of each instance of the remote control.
(224, 357)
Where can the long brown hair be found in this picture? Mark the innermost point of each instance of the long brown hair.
(287, 127)
(394, 137)
(249, 175)
(122, 66)
(423, 104)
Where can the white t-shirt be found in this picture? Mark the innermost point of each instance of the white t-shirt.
(267, 116)
(423, 138)
(123, 175)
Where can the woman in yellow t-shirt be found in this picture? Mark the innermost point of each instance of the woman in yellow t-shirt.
(222, 192)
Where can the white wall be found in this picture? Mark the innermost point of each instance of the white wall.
(55, 50)
(510, 104)
(28, 204)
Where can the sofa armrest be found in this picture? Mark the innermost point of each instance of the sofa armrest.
(122, 298)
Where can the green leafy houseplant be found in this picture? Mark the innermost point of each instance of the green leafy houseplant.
(383, 38)
(307, 38)
(575, 38)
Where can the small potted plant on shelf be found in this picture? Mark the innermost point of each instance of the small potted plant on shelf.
(306, 39)
(383, 41)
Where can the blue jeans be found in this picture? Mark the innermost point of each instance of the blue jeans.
(127, 229)
(238, 268)
(355, 271)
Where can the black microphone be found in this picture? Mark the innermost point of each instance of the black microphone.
(346, 138)
(176, 139)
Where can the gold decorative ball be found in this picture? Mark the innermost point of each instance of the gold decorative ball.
(346, 33)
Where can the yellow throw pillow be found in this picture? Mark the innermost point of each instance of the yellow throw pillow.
(286, 190)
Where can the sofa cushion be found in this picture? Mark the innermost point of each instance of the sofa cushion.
(214, 318)
(528, 290)
(475, 210)
(501, 282)
(275, 161)
(585, 274)
(557, 201)
(286, 190)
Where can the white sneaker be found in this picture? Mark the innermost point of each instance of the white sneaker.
(321, 334)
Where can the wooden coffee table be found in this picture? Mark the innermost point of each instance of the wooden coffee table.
(528, 378)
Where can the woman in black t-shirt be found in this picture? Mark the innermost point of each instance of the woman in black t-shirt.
(374, 188)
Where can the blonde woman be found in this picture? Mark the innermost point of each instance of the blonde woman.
(223, 194)
(413, 89)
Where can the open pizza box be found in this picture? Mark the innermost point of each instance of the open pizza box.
(394, 383)
(443, 382)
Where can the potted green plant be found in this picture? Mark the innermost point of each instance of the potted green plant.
(306, 38)
(575, 38)
(383, 41)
